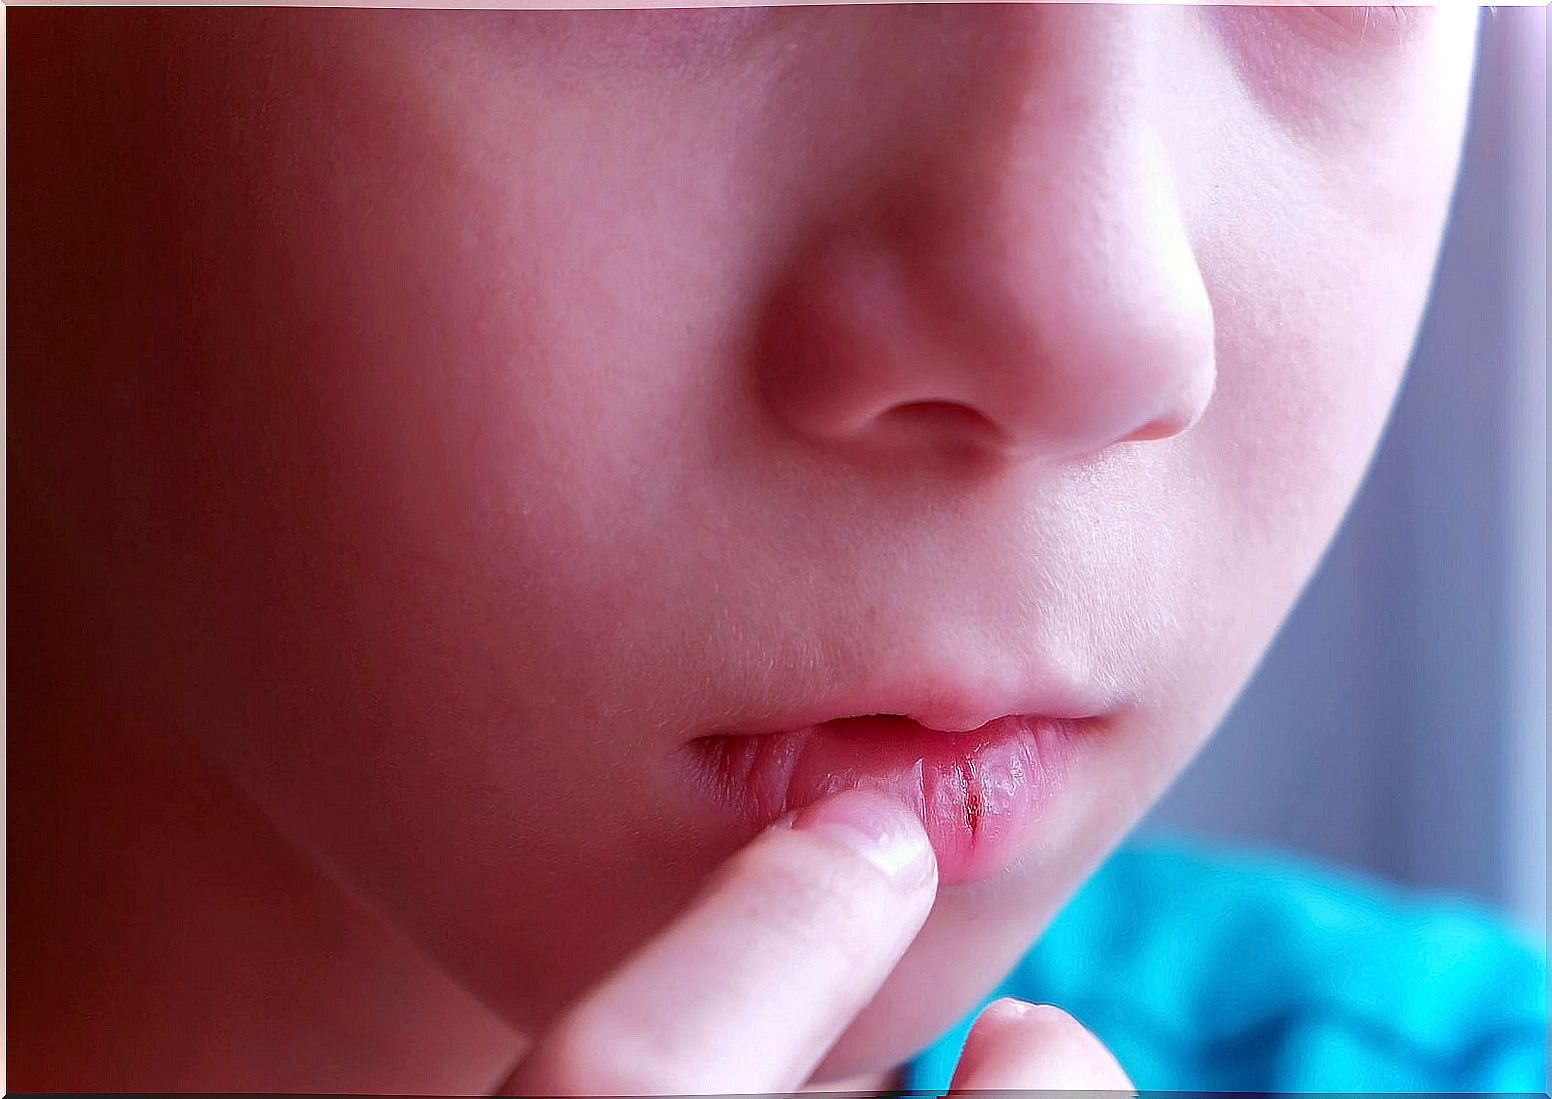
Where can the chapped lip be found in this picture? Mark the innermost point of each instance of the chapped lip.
(981, 793)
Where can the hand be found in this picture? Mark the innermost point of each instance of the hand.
(748, 989)
(752, 985)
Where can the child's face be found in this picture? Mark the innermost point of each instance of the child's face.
(528, 394)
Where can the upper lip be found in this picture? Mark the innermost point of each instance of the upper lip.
(938, 704)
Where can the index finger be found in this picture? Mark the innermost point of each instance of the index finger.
(752, 985)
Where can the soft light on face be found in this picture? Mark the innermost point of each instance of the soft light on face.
(500, 401)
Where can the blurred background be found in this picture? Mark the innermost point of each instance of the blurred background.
(1398, 725)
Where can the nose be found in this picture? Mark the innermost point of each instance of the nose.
(1026, 287)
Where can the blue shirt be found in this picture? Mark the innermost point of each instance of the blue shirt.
(1241, 969)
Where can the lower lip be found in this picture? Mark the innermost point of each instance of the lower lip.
(980, 794)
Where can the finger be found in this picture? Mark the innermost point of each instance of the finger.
(1017, 1046)
(749, 989)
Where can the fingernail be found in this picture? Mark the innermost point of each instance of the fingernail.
(880, 828)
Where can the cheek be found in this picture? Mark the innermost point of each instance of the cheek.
(1318, 257)
(1323, 277)
(412, 412)
(413, 397)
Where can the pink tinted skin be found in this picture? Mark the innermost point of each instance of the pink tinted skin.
(424, 425)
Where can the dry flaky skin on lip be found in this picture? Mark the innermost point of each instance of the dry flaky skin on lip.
(977, 793)
(973, 809)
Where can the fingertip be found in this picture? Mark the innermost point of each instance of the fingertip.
(1017, 1044)
(1013, 1006)
(1008, 1009)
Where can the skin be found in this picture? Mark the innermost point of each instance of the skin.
(425, 425)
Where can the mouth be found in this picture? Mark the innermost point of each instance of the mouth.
(980, 792)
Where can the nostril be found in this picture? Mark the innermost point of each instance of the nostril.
(949, 413)
(1188, 409)
(1154, 429)
(946, 420)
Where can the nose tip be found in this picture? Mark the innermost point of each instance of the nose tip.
(1023, 280)
(950, 427)
(862, 350)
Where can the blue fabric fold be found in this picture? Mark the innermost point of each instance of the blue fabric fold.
(1212, 967)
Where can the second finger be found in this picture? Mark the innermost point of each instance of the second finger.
(1017, 1046)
